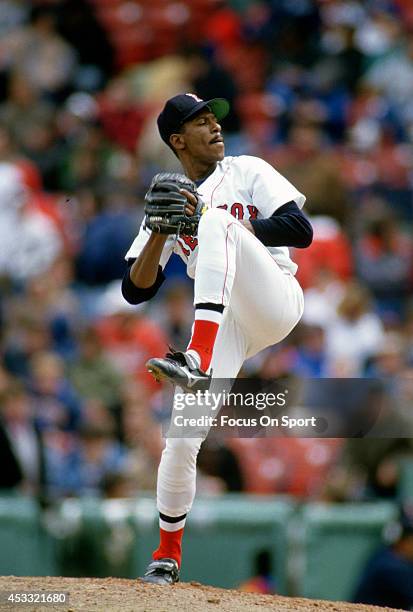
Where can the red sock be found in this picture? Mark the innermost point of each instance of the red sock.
(203, 340)
(170, 545)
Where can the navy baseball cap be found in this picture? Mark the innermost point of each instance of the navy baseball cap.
(182, 107)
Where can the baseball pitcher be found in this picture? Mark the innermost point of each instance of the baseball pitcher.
(231, 219)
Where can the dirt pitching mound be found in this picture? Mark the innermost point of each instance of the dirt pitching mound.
(118, 595)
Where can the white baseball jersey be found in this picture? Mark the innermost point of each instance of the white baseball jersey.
(248, 188)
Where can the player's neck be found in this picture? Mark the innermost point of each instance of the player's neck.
(196, 170)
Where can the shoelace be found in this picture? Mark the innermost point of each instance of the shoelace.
(161, 567)
(175, 356)
(178, 356)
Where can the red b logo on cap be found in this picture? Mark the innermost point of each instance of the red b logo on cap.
(194, 97)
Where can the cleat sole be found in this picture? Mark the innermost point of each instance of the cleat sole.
(160, 375)
(156, 372)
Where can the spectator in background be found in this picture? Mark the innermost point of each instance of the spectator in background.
(51, 308)
(121, 115)
(387, 579)
(13, 14)
(119, 485)
(290, 23)
(129, 336)
(97, 413)
(384, 256)
(311, 353)
(21, 444)
(323, 296)
(92, 374)
(392, 74)
(99, 454)
(222, 28)
(40, 55)
(345, 58)
(162, 79)
(375, 161)
(57, 405)
(407, 331)
(308, 161)
(219, 469)
(81, 458)
(152, 156)
(379, 31)
(24, 336)
(24, 109)
(370, 468)
(285, 465)
(354, 335)
(263, 580)
(78, 24)
(389, 359)
(112, 222)
(176, 315)
(30, 241)
(210, 80)
(7, 146)
(143, 437)
(42, 146)
(88, 152)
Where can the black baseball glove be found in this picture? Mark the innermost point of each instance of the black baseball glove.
(165, 205)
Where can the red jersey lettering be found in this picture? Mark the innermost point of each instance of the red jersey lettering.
(253, 211)
(237, 210)
(190, 242)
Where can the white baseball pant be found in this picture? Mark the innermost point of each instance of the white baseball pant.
(263, 304)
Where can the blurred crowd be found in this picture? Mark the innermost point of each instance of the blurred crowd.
(321, 89)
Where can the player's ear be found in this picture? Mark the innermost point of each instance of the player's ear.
(177, 141)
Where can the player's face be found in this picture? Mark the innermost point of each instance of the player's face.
(203, 139)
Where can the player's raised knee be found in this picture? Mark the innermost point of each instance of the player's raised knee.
(214, 217)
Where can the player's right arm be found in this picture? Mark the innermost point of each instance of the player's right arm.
(144, 270)
(146, 260)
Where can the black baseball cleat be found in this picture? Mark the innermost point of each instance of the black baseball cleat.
(181, 369)
(162, 571)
